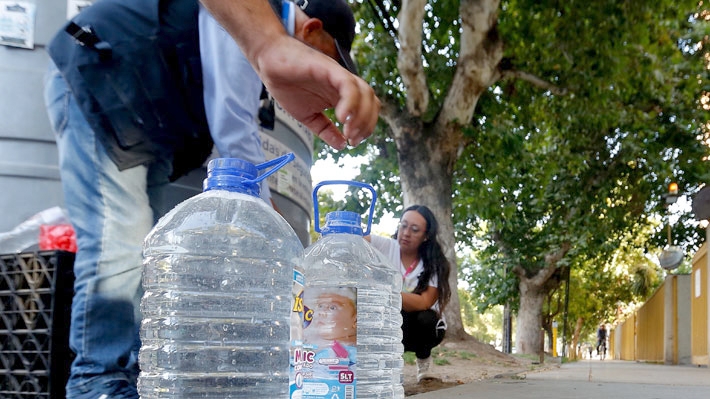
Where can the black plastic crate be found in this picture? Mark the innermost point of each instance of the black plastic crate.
(36, 291)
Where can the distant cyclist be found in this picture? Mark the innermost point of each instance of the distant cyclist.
(601, 338)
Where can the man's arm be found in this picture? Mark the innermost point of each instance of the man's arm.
(302, 80)
(231, 96)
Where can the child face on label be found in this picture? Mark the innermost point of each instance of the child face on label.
(335, 317)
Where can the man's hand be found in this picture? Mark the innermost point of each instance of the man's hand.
(302, 80)
(305, 82)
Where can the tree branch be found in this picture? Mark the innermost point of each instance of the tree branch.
(519, 271)
(536, 81)
(390, 111)
(480, 52)
(409, 59)
(544, 274)
(554, 257)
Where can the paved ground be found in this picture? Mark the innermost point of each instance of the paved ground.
(591, 379)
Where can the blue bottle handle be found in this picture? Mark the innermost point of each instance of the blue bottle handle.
(277, 164)
(347, 183)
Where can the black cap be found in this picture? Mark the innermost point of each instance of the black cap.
(338, 21)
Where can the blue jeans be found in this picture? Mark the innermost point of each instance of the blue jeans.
(112, 211)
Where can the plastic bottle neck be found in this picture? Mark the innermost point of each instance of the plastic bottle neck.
(232, 174)
(342, 222)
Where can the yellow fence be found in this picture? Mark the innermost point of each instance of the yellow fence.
(650, 326)
(672, 326)
(699, 308)
(625, 340)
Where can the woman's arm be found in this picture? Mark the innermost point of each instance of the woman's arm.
(417, 302)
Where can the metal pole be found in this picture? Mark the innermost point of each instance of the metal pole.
(507, 326)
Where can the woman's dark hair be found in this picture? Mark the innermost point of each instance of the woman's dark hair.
(435, 262)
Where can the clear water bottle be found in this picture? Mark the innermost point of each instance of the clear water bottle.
(353, 355)
(218, 274)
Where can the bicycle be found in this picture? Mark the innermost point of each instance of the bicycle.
(601, 351)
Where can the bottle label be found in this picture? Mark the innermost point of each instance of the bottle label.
(297, 318)
(329, 343)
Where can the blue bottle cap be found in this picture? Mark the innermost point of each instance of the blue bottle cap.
(232, 174)
(342, 222)
(316, 224)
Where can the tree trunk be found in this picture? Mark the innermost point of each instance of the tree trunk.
(575, 338)
(533, 289)
(425, 172)
(427, 150)
(529, 319)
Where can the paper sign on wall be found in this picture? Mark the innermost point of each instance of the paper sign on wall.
(17, 24)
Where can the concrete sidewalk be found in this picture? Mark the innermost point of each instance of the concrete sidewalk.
(591, 379)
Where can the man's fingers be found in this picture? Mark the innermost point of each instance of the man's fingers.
(324, 128)
(358, 111)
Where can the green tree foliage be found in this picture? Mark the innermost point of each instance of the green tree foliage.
(598, 167)
(572, 137)
(602, 155)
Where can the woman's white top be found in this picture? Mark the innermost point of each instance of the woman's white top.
(390, 248)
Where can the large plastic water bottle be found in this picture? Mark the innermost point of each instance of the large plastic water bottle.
(351, 355)
(218, 274)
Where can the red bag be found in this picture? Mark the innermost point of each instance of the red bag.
(57, 237)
